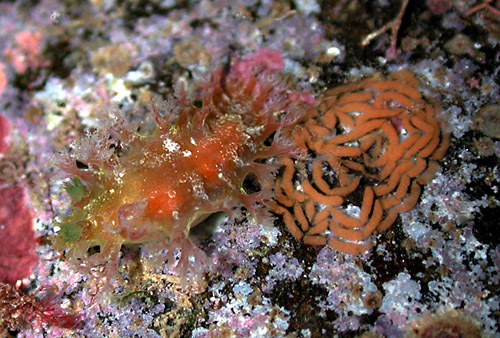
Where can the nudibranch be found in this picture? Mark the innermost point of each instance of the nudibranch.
(129, 188)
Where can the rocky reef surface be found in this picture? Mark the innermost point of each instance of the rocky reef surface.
(65, 67)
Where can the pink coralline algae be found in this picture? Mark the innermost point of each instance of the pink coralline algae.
(17, 237)
(26, 52)
(130, 188)
(3, 81)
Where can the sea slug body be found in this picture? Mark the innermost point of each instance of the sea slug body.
(130, 188)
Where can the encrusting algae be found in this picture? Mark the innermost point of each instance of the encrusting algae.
(377, 136)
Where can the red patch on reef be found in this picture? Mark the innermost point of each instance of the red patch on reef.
(4, 133)
(17, 236)
(28, 309)
(262, 59)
